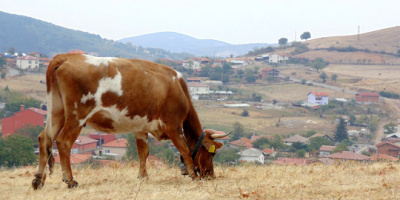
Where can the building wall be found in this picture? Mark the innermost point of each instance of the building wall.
(115, 150)
(388, 150)
(27, 64)
(367, 99)
(324, 153)
(20, 119)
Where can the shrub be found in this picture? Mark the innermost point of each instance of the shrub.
(245, 113)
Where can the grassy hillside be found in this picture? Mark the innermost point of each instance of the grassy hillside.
(26, 35)
(118, 181)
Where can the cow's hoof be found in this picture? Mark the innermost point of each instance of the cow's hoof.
(72, 184)
(184, 170)
(37, 183)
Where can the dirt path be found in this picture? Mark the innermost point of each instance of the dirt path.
(392, 107)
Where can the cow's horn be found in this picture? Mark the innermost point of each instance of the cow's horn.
(217, 136)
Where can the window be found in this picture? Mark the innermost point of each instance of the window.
(106, 151)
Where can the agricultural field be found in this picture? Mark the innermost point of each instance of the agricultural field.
(118, 181)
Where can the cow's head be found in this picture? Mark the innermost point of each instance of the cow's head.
(204, 157)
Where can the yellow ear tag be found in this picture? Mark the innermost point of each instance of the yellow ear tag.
(212, 149)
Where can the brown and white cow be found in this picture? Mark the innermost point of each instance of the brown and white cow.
(117, 95)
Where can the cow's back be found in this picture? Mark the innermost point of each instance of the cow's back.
(119, 95)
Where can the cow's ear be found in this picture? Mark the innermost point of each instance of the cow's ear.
(212, 146)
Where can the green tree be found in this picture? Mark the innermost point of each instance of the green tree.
(238, 131)
(390, 128)
(168, 156)
(318, 64)
(225, 155)
(30, 131)
(305, 36)
(300, 153)
(3, 75)
(277, 142)
(323, 76)
(334, 77)
(250, 76)
(131, 147)
(353, 119)
(310, 133)
(282, 41)
(341, 131)
(3, 61)
(261, 143)
(316, 142)
(16, 150)
(11, 50)
(343, 146)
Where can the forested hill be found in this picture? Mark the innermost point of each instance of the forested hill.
(26, 35)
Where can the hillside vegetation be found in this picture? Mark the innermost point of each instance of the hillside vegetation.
(26, 35)
(118, 181)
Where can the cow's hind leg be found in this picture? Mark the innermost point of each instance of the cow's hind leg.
(143, 151)
(45, 138)
(64, 143)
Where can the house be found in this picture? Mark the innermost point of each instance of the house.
(74, 158)
(296, 138)
(44, 62)
(270, 153)
(388, 148)
(325, 150)
(102, 138)
(238, 62)
(84, 145)
(27, 62)
(32, 116)
(198, 88)
(252, 155)
(194, 80)
(115, 148)
(277, 58)
(367, 98)
(11, 62)
(320, 98)
(242, 143)
(383, 157)
(192, 64)
(268, 72)
(348, 156)
(292, 161)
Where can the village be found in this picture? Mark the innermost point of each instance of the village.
(293, 148)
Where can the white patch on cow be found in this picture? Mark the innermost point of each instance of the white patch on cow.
(106, 84)
(142, 137)
(87, 97)
(178, 74)
(98, 61)
(76, 105)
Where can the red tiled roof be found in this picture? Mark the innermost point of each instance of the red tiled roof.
(293, 161)
(326, 148)
(27, 58)
(120, 142)
(384, 157)
(266, 69)
(81, 140)
(386, 142)
(243, 142)
(324, 94)
(39, 111)
(45, 59)
(75, 158)
(348, 155)
(268, 151)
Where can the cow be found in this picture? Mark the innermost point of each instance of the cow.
(117, 95)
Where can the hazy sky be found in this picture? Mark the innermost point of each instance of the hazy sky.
(232, 21)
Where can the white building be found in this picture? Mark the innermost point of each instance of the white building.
(320, 98)
(27, 62)
(277, 58)
(191, 64)
(198, 88)
(252, 155)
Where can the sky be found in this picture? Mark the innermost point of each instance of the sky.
(232, 21)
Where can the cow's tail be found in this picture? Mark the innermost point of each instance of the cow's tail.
(55, 109)
(191, 125)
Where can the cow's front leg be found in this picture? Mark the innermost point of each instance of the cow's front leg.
(143, 151)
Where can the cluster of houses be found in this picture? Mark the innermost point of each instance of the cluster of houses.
(33, 60)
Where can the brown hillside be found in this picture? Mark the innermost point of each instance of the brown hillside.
(387, 40)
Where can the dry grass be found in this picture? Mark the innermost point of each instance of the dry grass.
(27, 84)
(373, 181)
